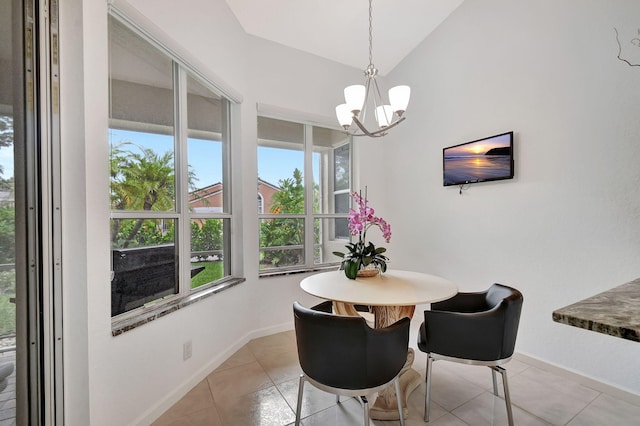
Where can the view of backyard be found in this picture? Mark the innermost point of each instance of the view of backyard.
(143, 180)
(7, 230)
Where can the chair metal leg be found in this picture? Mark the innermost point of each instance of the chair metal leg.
(365, 405)
(427, 396)
(337, 399)
(507, 397)
(399, 400)
(495, 381)
(299, 406)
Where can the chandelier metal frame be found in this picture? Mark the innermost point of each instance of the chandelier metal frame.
(355, 109)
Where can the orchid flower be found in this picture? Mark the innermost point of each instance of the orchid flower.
(363, 218)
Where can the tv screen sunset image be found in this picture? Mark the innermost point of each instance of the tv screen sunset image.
(486, 159)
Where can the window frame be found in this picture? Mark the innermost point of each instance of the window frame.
(182, 70)
(309, 215)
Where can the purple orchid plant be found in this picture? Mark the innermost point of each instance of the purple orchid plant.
(362, 253)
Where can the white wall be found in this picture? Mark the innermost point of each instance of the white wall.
(567, 226)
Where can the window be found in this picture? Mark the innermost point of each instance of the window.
(169, 156)
(304, 181)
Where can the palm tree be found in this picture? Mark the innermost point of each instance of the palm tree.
(141, 180)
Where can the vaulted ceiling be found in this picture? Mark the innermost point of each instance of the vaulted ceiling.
(339, 29)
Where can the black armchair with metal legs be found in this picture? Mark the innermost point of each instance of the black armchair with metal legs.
(344, 356)
(473, 328)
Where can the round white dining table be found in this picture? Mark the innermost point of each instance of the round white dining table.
(391, 296)
(394, 287)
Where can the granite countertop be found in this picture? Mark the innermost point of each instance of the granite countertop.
(615, 312)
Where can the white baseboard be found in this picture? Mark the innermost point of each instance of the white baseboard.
(587, 381)
(267, 331)
(155, 411)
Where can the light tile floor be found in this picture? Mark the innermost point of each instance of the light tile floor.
(258, 385)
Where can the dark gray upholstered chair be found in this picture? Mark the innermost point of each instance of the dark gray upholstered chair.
(344, 356)
(473, 328)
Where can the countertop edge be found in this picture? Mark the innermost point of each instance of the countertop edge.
(615, 312)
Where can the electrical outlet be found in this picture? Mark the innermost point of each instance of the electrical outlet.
(186, 350)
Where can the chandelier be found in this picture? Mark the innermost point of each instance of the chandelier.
(352, 114)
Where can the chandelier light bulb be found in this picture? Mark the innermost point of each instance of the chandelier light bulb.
(399, 98)
(354, 97)
(344, 115)
(384, 115)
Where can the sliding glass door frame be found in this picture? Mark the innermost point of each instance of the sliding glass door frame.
(39, 357)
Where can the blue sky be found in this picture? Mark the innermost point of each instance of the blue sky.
(278, 164)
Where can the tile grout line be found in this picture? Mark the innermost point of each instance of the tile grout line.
(213, 399)
(584, 408)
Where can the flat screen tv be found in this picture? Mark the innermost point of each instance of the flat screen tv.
(481, 160)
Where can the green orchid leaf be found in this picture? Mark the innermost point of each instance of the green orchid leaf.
(351, 269)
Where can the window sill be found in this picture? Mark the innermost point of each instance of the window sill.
(153, 312)
(282, 272)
